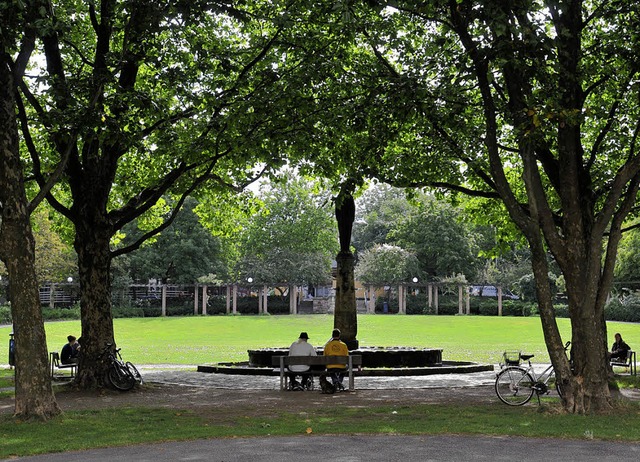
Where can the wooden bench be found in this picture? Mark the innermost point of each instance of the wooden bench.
(629, 362)
(54, 362)
(283, 361)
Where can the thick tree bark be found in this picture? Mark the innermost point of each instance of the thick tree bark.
(345, 315)
(94, 263)
(34, 394)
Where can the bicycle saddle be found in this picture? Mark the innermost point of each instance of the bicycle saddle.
(525, 357)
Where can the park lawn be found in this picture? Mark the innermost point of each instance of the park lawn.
(211, 339)
(197, 340)
(79, 430)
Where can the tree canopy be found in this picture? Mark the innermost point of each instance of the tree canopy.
(181, 254)
(533, 104)
(146, 100)
(292, 239)
(431, 229)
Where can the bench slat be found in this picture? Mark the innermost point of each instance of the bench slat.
(356, 360)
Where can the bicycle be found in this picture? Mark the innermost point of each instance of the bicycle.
(515, 384)
(122, 375)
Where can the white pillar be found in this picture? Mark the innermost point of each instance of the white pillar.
(293, 299)
(466, 298)
(499, 300)
(371, 308)
(164, 300)
(460, 299)
(228, 298)
(264, 303)
(195, 299)
(235, 298)
(205, 299)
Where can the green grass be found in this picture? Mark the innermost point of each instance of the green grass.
(105, 428)
(7, 382)
(200, 340)
(6, 378)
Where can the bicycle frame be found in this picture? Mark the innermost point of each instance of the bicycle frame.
(544, 377)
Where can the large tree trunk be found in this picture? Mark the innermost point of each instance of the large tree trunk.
(94, 263)
(589, 335)
(34, 394)
(584, 381)
(345, 315)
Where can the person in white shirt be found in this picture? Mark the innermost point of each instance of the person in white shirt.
(301, 347)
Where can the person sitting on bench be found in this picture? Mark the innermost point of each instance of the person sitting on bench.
(336, 347)
(619, 350)
(301, 347)
(69, 353)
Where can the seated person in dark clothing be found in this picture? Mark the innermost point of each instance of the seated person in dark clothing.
(69, 353)
(619, 349)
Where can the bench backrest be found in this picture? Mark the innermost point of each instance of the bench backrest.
(55, 357)
(356, 360)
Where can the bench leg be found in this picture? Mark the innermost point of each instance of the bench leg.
(283, 381)
(351, 385)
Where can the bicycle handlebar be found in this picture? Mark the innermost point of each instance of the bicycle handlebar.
(107, 349)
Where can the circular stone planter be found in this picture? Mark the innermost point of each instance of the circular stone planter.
(374, 357)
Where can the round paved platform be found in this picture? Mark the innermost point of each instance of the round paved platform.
(188, 375)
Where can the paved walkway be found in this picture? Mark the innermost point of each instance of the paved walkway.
(360, 448)
(188, 376)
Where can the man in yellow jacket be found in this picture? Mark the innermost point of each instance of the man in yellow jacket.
(336, 347)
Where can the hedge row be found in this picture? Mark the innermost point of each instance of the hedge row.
(626, 309)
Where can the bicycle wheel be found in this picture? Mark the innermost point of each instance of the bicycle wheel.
(120, 377)
(514, 386)
(134, 372)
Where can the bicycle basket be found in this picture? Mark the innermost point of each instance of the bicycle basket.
(511, 358)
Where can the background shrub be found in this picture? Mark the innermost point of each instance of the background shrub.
(5, 314)
(623, 309)
(127, 312)
(58, 314)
